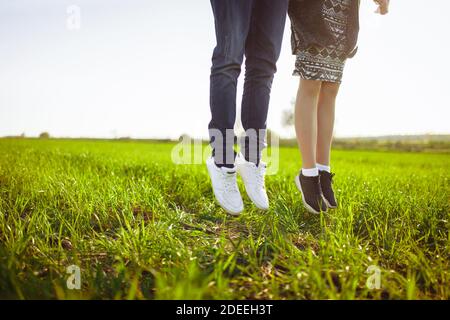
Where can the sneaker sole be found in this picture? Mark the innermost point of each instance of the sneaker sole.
(305, 204)
(232, 213)
(328, 204)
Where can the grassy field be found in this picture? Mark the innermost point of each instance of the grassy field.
(141, 227)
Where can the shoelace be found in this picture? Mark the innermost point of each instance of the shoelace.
(317, 187)
(312, 187)
(260, 174)
(230, 182)
(331, 177)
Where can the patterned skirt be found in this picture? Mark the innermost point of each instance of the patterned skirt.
(327, 63)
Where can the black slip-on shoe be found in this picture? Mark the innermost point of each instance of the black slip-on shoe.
(326, 184)
(311, 192)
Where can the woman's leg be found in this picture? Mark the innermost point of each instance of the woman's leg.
(308, 180)
(306, 120)
(325, 121)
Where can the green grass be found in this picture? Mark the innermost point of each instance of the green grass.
(141, 227)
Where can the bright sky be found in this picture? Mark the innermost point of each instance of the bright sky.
(140, 68)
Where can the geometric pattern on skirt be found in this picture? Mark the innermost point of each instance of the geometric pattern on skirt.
(327, 63)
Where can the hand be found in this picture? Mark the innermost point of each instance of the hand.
(383, 6)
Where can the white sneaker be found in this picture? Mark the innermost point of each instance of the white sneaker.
(253, 177)
(225, 187)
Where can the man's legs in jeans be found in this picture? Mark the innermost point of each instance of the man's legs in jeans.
(262, 50)
(232, 21)
(254, 28)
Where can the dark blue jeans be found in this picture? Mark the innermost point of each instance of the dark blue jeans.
(254, 29)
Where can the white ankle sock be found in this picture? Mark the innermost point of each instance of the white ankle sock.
(313, 172)
(322, 167)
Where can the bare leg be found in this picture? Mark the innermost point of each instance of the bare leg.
(306, 121)
(325, 121)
